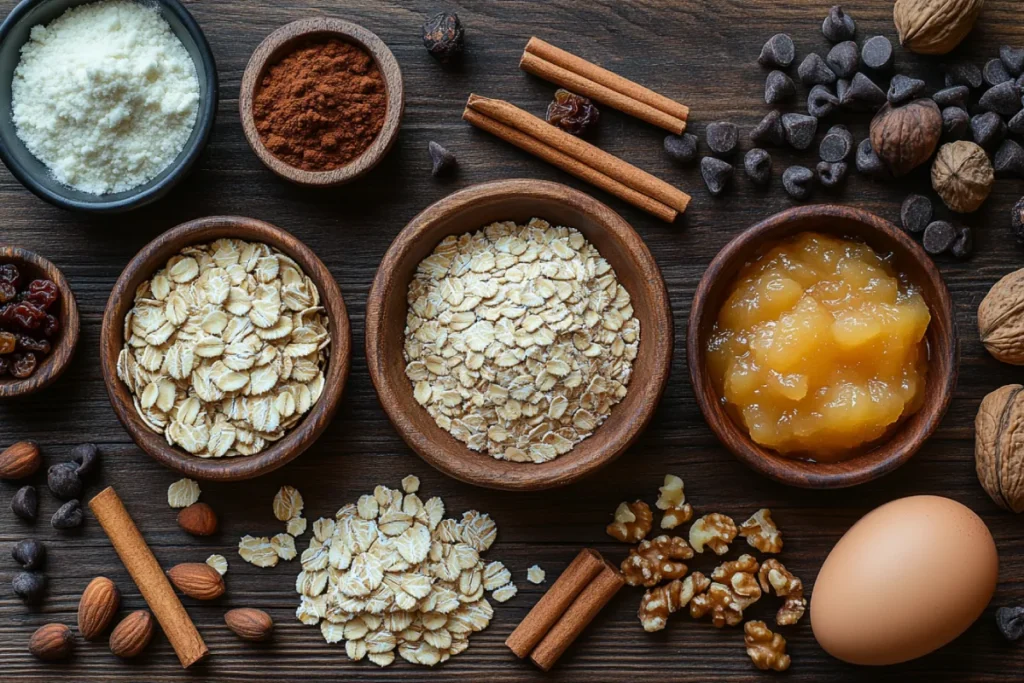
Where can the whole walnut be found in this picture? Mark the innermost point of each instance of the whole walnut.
(999, 446)
(906, 137)
(934, 27)
(1001, 319)
(962, 175)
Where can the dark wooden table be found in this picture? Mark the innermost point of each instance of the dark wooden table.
(702, 53)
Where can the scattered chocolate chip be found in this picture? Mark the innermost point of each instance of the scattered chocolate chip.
(832, 175)
(757, 164)
(988, 130)
(29, 586)
(798, 182)
(778, 87)
(955, 96)
(1003, 99)
(68, 516)
(25, 503)
(722, 137)
(1010, 621)
(821, 101)
(916, 213)
(778, 51)
(799, 129)
(902, 89)
(814, 71)
(844, 59)
(1016, 124)
(862, 94)
(836, 145)
(769, 131)
(63, 480)
(1009, 160)
(955, 123)
(868, 162)
(838, 25)
(994, 72)
(963, 73)
(444, 37)
(1013, 59)
(1017, 219)
(716, 174)
(877, 54)
(29, 553)
(938, 237)
(86, 455)
(963, 247)
(443, 160)
(682, 149)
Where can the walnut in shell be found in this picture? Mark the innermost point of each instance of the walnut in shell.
(1001, 319)
(905, 137)
(962, 175)
(999, 446)
(934, 27)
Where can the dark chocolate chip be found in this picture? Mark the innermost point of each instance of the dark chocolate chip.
(862, 94)
(1013, 59)
(1017, 219)
(29, 586)
(800, 129)
(722, 137)
(838, 25)
(1009, 160)
(832, 175)
(955, 123)
(798, 182)
(778, 51)
(938, 237)
(29, 553)
(994, 72)
(844, 59)
(86, 455)
(443, 161)
(1010, 621)
(778, 87)
(1016, 124)
(916, 213)
(63, 480)
(902, 89)
(821, 101)
(68, 516)
(769, 131)
(868, 162)
(955, 96)
(814, 71)
(1003, 99)
(25, 503)
(682, 149)
(963, 73)
(877, 54)
(757, 164)
(836, 145)
(716, 174)
(963, 247)
(988, 130)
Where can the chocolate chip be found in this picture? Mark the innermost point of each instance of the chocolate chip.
(68, 516)
(1003, 99)
(799, 129)
(938, 237)
(682, 149)
(988, 130)
(844, 59)
(63, 480)
(443, 161)
(832, 175)
(836, 145)
(821, 101)
(769, 131)
(868, 162)
(798, 182)
(1010, 621)
(716, 174)
(814, 71)
(862, 94)
(963, 247)
(778, 51)
(902, 89)
(29, 553)
(955, 123)
(963, 73)
(29, 586)
(87, 456)
(778, 87)
(1017, 219)
(1009, 160)
(955, 96)
(877, 54)
(1013, 59)
(25, 503)
(916, 213)
(722, 137)
(757, 164)
(1016, 124)
(838, 25)
(994, 72)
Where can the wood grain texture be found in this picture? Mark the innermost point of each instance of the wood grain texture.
(700, 53)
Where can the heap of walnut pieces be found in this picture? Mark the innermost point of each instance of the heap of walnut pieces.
(658, 564)
(389, 574)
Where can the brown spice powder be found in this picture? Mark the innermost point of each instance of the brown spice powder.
(321, 106)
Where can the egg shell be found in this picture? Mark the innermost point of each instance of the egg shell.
(906, 579)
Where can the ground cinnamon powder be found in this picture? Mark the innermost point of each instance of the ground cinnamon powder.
(321, 106)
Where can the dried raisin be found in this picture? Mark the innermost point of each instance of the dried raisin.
(27, 316)
(9, 274)
(573, 113)
(7, 343)
(27, 343)
(51, 325)
(43, 293)
(7, 292)
(5, 366)
(24, 365)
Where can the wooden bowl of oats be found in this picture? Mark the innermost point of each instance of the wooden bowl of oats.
(225, 347)
(519, 335)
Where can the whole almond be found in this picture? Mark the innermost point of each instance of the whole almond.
(52, 641)
(132, 635)
(249, 624)
(198, 519)
(97, 607)
(197, 580)
(20, 460)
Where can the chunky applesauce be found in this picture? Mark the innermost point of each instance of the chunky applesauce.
(820, 347)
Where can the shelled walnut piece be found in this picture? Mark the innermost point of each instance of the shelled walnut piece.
(658, 603)
(225, 348)
(716, 531)
(773, 574)
(761, 532)
(672, 501)
(656, 560)
(632, 522)
(766, 649)
(734, 590)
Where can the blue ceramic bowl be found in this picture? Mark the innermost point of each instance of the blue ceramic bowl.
(34, 175)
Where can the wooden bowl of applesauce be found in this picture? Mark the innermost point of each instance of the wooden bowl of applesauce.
(903, 437)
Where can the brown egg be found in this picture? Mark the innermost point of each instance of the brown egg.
(905, 580)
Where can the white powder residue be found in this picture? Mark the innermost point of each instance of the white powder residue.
(105, 95)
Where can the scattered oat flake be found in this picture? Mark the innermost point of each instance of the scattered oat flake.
(411, 484)
(284, 546)
(506, 592)
(258, 551)
(218, 562)
(296, 526)
(182, 493)
(535, 574)
(287, 503)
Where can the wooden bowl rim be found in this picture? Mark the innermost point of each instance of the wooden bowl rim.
(142, 266)
(57, 361)
(883, 457)
(443, 451)
(302, 29)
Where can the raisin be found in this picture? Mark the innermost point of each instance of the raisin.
(27, 343)
(5, 365)
(24, 365)
(51, 325)
(7, 343)
(9, 274)
(43, 293)
(7, 292)
(444, 37)
(27, 316)
(573, 113)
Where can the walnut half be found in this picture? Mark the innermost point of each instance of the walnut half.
(761, 532)
(766, 649)
(658, 603)
(632, 522)
(653, 561)
(672, 500)
(773, 574)
(715, 531)
(734, 590)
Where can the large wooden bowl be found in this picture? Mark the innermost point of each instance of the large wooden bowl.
(943, 346)
(152, 257)
(33, 266)
(468, 211)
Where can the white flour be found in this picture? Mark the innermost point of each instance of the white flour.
(105, 95)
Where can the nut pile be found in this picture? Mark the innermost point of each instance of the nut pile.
(390, 574)
(519, 339)
(225, 348)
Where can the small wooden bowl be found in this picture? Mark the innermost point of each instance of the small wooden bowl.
(470, 210)
(152, 257)
(33, 266)
(944, 352)
(285, 40)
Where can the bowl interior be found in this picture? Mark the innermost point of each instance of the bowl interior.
(34, 174)
(895, 449)
(469, 211)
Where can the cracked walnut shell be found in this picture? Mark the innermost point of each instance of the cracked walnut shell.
(658, 603)
(1001, 319)
(773, 574)
(761, 532)
(999, 446)
(962, 175)
(715, 531)
(653, 561)
(766, 649)
(632, 522)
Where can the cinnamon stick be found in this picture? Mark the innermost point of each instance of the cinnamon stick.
(606, 78)
(553, 604)
(145, 571)
(584, 152)
(579, 615)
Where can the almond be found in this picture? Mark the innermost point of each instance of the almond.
(132, 635)
(197, 580)
(97, 607)
(198, 519)
(249, 624)
(20, 460)
(52, 641)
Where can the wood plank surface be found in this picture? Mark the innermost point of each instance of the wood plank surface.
(700, 52)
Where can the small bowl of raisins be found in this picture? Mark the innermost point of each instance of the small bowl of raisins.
(38, 322)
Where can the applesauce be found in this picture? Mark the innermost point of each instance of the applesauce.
(819, 347)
